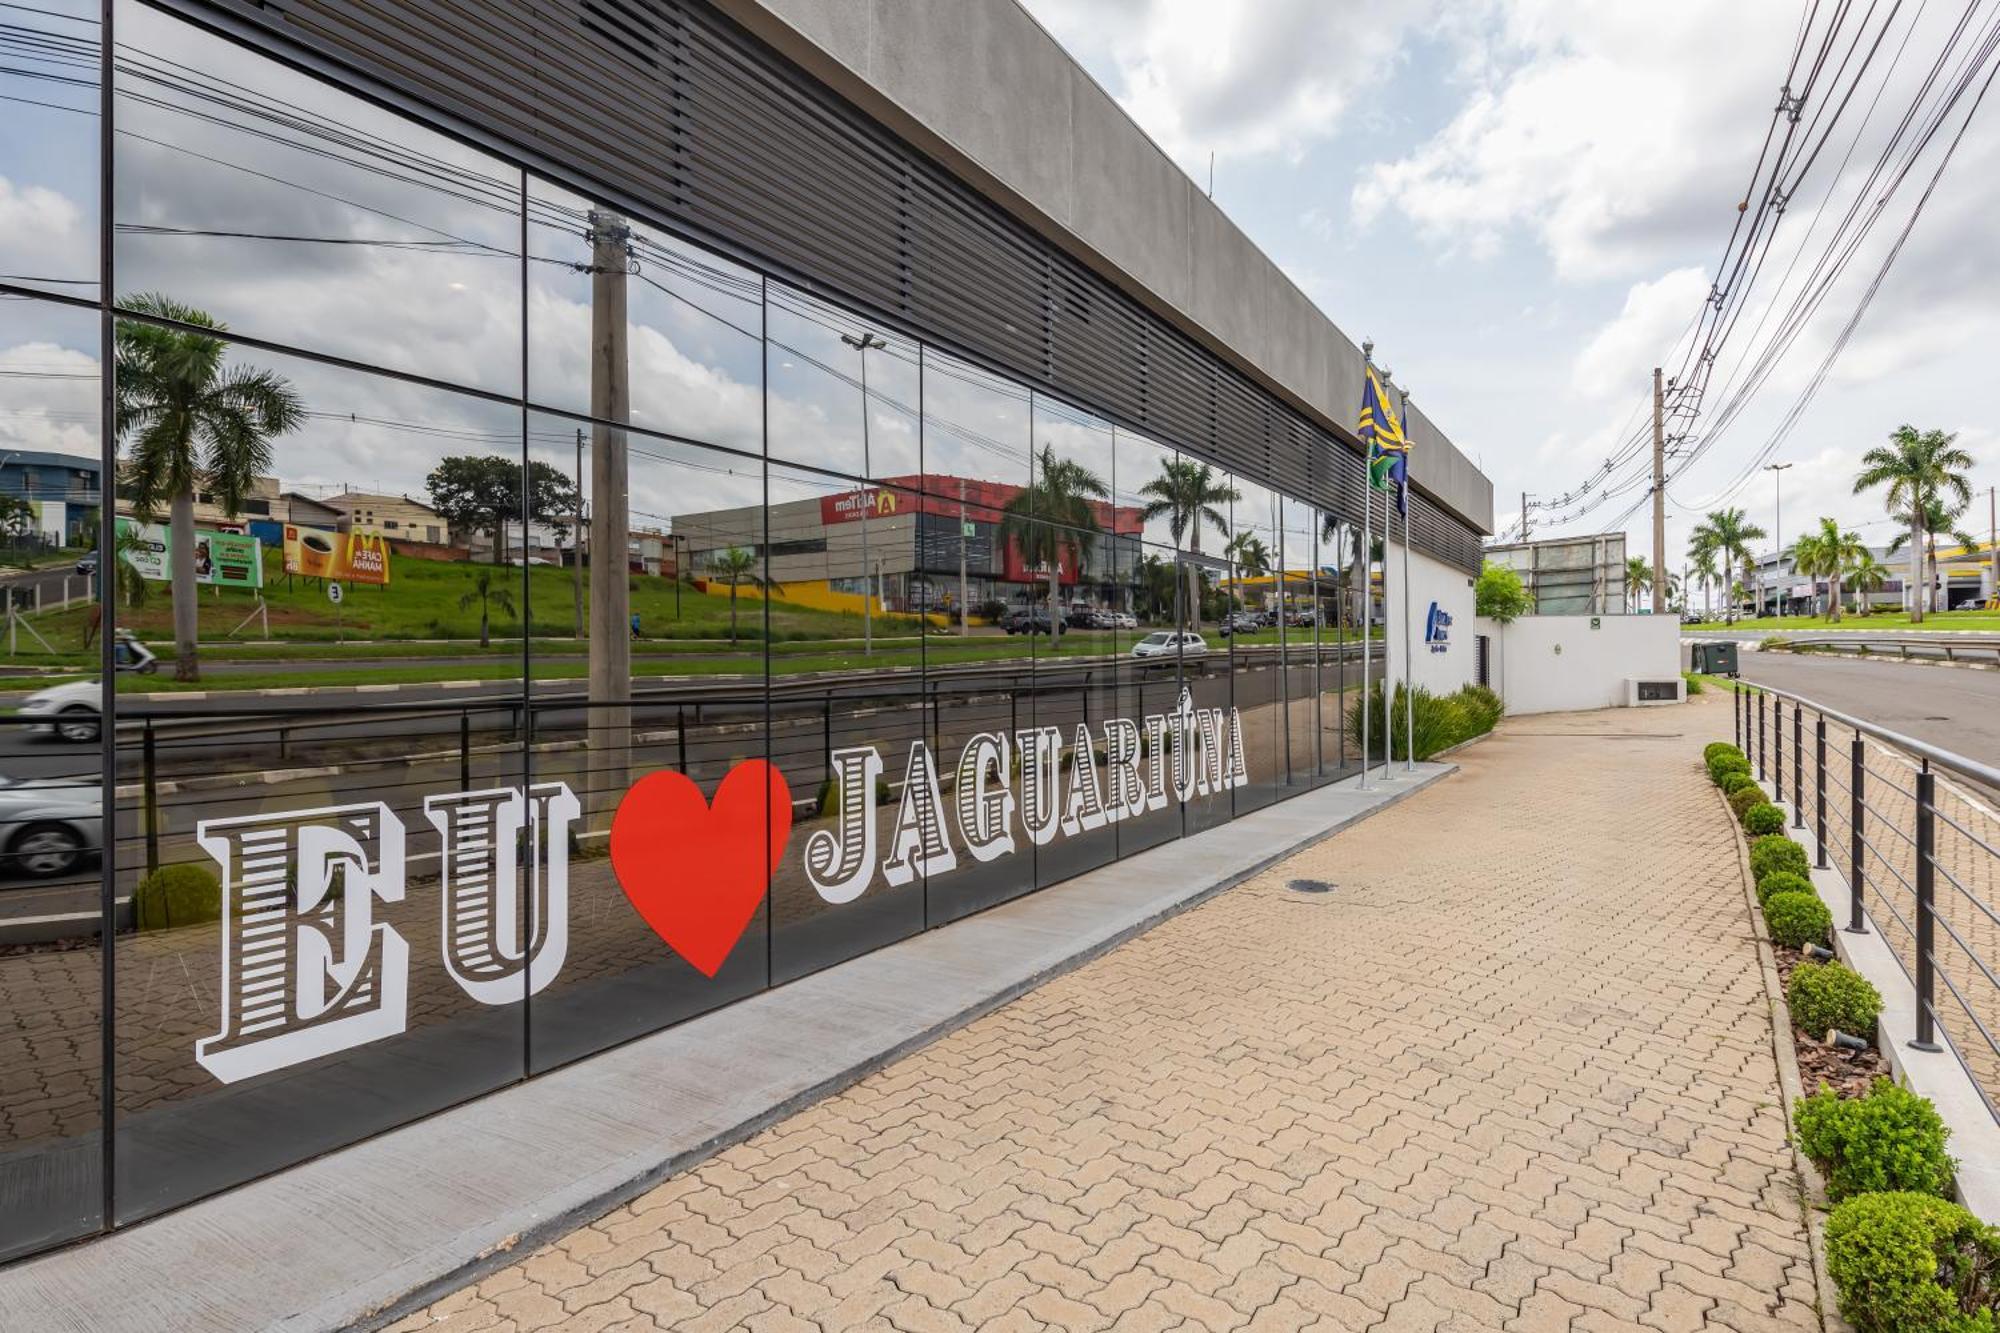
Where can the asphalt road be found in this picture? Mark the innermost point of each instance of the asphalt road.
(1952, 707)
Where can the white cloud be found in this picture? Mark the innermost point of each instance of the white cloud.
(1613, 364)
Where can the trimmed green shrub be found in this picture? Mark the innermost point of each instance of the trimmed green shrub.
(1714, 748)
(1911, 1263)
(1441, 721)
(1777, 852)
(1797, 919)
(1724, 764)
(1763, 819)
(177, 895)
(1746, 798)
(1734, 781)
(1890, 1139)
(1823, 996)
(1781, 881)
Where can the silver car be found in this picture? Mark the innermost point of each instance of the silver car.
(48, 826)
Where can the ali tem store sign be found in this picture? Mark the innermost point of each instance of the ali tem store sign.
(307, 971)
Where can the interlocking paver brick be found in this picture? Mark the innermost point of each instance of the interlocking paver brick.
(1514, 1073)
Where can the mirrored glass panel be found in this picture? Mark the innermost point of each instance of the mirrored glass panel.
(1258, 641)
(293, 212)
(51, 792)
(850, 718)
(50, 67)
(648, 665)
(1202, 501)
(843, 392)
(326, 847)
(691, 349)
(1299, 618)
(1149, 691)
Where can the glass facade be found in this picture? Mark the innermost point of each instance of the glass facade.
(592, 630)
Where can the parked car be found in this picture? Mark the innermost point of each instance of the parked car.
(1306, 616)
(48, 827)
(1170, 643)
(87, 565)
(1032, 621)
(1124, 620)
(1242, 622)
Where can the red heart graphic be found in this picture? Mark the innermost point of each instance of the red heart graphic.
(695, 870)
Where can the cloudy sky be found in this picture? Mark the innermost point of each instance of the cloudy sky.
(1523, 202)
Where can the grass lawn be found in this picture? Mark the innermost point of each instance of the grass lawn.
(1880, 621)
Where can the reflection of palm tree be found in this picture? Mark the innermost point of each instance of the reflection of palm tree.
(1186, 493)
(191, 421)
(1250, 556)
(737, 566)
(1918, 467)
(1054, 516)
(484, 592)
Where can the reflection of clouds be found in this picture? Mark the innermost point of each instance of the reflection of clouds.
(48, 398)
(45, 235)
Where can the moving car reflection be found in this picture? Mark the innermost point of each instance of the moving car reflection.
(48, 827)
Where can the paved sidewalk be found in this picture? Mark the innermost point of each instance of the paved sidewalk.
(1514, 1072)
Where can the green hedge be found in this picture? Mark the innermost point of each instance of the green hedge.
(1911, 1263)
(1797, 919)
(1441, 720)
(1741, 801)
(1763, 819)
(1723, 765)
(1777, 852)
(177, 895)
(1714, 748)
(1823, 996)
(1733, 782)
(1781, 881)
(1890, 1140)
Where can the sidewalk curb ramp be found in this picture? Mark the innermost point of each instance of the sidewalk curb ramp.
(369, 1233)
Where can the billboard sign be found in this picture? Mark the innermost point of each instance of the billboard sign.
(221, 559)
(321, 553)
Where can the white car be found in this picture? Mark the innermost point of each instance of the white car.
(1169, 643)
(71, 711)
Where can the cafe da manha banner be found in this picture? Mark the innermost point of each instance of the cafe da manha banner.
(350, 557)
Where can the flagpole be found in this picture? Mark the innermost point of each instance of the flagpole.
(1409, 662)
(1367, 570)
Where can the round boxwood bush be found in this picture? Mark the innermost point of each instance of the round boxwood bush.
(1722, 766)
(1797, 919)
(1762, 819)
(1824, 996)
(1889, 1140)
(1733, 782)
(1746, 798)
(1714, 748)
(177, 895)
(1911, 1263)
(1776, 852)
(1781, 881)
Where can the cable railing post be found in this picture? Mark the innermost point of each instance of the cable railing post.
(1763, 755)
(1798, 766)
(1819, 792)
(151, 774)
(1926, 912)
(1857, 774)
(1736, 715)
(1777, 749)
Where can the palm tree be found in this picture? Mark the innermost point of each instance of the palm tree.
(1186, 493)
(192, 424)
(1828, 553)
(1866, 575)
(483, 592)
(1246, 550)
(1918, 467)
(736, 567)
(1638, 576)
(1938, 520)
(1053, 517)
(1728, 533)
(1701, 557)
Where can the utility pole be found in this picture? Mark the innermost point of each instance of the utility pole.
(864, 344)
(1659, 495)
(964, 625)
(1993, 538)
(1777, 471)
(610, 716)
(1524, 516)
(576, 539)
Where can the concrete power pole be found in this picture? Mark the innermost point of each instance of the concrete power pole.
(1524, 516)
(610, 723)
(964, 623)
(1659, 495)
(1993, 537)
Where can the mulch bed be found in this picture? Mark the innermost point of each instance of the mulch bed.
(1848, 1073)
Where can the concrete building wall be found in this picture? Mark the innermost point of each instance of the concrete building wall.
(1561, 664)
(1441, 649)
(982, 87)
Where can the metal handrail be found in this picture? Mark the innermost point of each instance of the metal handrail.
(1939, 757)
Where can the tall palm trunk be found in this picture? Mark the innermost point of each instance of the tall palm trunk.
(1833, 598)
(484, 640)
(186, 597)
(1055, 616)
(732, 612)
(1916, 579)
(1194, 577)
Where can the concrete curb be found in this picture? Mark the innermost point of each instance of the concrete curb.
(1812, 1187)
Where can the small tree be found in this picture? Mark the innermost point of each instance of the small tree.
(1500, 595)
(735, 567)
(483, 592)
(483, 493)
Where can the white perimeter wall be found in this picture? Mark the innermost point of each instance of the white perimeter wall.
(1557, 664)
(1446, 664)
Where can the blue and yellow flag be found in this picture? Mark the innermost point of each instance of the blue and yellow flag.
(1388, 447)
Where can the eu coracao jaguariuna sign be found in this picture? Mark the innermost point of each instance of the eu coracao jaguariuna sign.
(308, 971)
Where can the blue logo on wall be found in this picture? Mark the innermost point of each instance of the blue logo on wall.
(1437, 629)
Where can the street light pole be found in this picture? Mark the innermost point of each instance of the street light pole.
(862, 345)
(1777, 471)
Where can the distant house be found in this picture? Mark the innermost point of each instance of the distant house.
(61, 489)
(294, 507)
(393, 516)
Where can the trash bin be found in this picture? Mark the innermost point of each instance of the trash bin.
(1715, 657)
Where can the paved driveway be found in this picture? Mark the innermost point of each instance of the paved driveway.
(1513, 1072)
